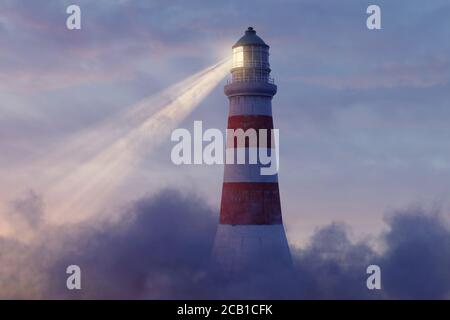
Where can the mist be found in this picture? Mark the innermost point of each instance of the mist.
(161, 248)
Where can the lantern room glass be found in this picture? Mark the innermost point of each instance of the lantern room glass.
(238, 57)
(250, 57)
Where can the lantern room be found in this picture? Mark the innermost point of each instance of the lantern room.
(250, 59)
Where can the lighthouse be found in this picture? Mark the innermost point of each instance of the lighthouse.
(251, 232)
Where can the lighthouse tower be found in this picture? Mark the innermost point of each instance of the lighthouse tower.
(251, 232)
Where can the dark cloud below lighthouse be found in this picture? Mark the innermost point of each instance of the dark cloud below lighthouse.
(162, 250)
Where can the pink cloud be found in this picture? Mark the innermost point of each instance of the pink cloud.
(389, 75)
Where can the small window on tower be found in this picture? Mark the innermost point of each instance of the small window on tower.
(238, 57)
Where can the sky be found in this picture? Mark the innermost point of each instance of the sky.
(363, 115)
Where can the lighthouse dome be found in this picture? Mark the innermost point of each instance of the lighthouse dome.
(250, 39)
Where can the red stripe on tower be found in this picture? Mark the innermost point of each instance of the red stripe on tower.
(250, 203)
(250, 214)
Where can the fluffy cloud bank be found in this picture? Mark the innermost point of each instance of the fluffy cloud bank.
(161, 249)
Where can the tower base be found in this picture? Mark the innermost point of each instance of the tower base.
(241, 248)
